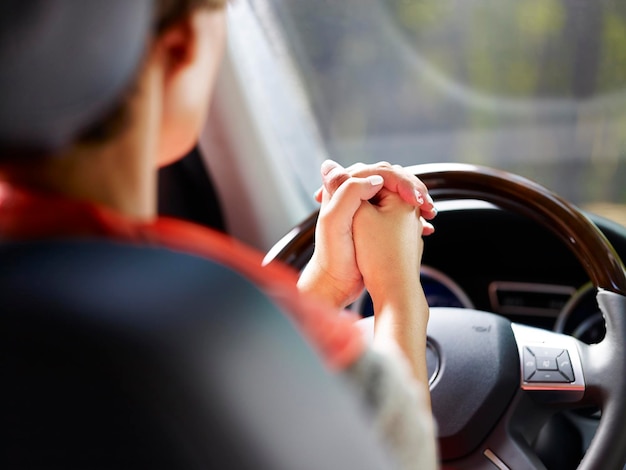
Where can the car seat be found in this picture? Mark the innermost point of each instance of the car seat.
(119, 356)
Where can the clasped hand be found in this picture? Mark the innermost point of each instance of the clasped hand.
(369, 231)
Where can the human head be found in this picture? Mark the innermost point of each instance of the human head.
(196, 43)
(77, 65)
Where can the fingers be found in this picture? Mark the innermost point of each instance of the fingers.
(410, 188)
(348, 198)
(333, 176)
(387, 198)
(431, 214)
(427, 227)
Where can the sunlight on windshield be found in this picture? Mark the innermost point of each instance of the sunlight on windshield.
(537, 87)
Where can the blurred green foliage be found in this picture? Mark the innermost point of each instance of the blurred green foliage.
(537, 87)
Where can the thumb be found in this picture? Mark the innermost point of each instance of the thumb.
(333, 176)
(343, 204)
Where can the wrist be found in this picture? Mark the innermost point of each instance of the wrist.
(316, 281)
(394, 294)
(401, 324)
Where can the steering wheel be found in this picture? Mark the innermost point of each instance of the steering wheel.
(496, 383)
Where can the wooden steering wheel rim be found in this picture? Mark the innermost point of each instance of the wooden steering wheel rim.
(450, 181)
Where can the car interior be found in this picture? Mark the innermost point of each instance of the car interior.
(513, 113)
(403, 73)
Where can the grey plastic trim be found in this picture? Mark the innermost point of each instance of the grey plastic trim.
(449, 283)
(527, 336)
(494, 459)
(570, 307)
(529, 288)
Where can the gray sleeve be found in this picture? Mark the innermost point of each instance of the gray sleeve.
(398, 409)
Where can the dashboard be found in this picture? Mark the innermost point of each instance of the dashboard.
(489, 259)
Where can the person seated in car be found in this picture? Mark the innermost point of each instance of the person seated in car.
(82, 139)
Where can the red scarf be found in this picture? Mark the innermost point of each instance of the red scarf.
(31, 215)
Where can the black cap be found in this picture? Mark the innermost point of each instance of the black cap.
(64, 64)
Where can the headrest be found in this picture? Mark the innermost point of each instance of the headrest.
(64, 64)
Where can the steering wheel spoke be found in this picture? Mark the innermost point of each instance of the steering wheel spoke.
(550, 365)
(507, 447)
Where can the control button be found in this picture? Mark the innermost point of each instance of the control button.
(565, 366)
(548, 377)
(539, 351)
(546, 363)
(529, 364)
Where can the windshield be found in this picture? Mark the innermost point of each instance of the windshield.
(536, 87)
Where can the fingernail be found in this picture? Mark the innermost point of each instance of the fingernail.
(430, 199)
(327, 165)
(418, 197)
(376, 180)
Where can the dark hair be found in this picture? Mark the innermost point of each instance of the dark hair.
(167, 12)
